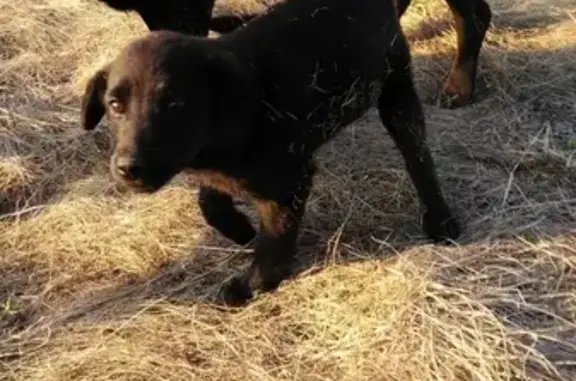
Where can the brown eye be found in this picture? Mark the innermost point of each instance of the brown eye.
(116, 107)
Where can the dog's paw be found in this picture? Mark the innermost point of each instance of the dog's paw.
(442, 227)
(235, 292)
(451, 99)
(457, 90)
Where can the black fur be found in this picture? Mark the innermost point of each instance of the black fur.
(186, 16)
(247, 112)
(472, 18)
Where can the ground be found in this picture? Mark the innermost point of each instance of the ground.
(99, 284)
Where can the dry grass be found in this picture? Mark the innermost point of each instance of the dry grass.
(96, 284)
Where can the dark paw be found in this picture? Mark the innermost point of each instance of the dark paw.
(251, 243)
(442, 227)
(458, 90)
(235, 292)
(244, 236)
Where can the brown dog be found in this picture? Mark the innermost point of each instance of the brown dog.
(247, 112)
(472, 19)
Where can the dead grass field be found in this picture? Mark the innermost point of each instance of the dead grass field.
(101, 285)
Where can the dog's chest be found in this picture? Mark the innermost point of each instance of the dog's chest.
(220, 181)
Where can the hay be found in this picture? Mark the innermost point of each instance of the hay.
(100, 284)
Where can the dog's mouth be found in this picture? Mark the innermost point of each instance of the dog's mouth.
(140, 187)
(136, 185)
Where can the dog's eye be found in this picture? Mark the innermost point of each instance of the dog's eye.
(116, 107)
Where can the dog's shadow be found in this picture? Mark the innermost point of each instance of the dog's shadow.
(198, 277)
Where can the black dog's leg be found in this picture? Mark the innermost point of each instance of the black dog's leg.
(186, 16)
(190, 17)
(472, 21)
(219, 211)
(401, 6)
(227, 23)
(401, 112)
(276, 247)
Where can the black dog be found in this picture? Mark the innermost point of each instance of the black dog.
(186, 16)
(247, 112)
(194, 17)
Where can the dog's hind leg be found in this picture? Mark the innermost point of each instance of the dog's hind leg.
(472, 19)
(401, 113)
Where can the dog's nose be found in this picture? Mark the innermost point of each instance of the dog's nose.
(128, 168)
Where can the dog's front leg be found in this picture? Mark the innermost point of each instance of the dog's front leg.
(275, 250)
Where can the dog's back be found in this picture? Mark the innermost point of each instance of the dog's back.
(298, 35)
(320, 64)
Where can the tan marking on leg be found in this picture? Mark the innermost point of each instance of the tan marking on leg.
(220, 182)
(273, 217)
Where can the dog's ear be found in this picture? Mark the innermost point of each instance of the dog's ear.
(234, 91)
(93, 100)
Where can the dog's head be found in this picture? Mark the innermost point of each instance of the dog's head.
(167, 97)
